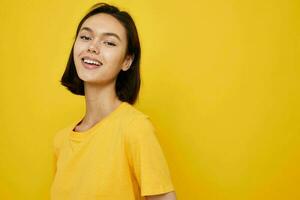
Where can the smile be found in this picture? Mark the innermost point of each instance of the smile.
(91, 61)
(90, 64)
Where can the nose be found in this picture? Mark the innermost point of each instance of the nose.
(93, 49)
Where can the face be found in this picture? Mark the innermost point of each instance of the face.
(100, 49)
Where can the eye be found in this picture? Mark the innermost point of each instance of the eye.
(110, 43)
(85, 37)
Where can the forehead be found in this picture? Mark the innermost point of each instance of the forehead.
(104, 23)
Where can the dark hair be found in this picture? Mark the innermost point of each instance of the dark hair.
(128, 82)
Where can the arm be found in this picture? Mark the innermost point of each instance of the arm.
(166, 196)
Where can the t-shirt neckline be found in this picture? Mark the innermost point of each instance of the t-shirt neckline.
(83, 134)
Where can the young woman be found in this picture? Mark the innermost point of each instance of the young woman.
(112, 153)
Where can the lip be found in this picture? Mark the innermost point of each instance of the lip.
(89, 66)
(91, 58)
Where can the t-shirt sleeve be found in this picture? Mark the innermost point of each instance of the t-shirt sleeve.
(146, 158)
(55, 154)
(57, 140)
(55, 146)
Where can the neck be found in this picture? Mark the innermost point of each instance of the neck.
(100, 101)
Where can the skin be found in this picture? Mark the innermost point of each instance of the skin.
(99, 84)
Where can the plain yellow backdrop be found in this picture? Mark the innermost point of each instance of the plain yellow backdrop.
(220, 79)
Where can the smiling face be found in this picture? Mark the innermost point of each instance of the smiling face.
(100, 49)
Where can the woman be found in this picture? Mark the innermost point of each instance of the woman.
(112, 153)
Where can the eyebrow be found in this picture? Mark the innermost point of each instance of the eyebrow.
(105, 33)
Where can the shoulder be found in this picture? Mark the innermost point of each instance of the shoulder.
(137, 118)
(61, 134)
(139, 127)
(133, 117)
(134, 112)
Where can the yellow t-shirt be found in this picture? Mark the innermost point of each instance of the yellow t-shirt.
(119, 158)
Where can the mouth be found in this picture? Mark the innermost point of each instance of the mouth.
(90, 63)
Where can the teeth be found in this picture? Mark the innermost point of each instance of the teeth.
(91, 61)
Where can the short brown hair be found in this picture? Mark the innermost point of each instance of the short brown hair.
(128, 82)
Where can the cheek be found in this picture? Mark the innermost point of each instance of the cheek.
(78, 48)
(114, 55)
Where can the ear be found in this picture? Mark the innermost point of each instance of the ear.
(127, 62)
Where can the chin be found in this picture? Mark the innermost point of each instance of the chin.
(93, 80)
(88, 79)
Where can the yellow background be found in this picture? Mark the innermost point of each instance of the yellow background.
(220, 81)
